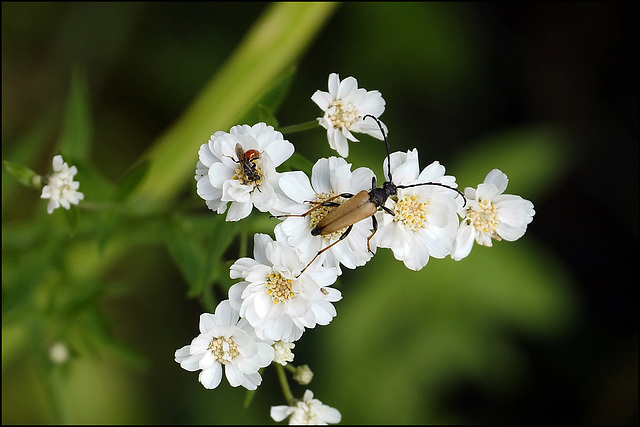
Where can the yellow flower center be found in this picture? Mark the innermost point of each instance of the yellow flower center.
(411, 212)
(255, 177)
(344, 114)
(223, 349)
(484, 218)
(279, 288)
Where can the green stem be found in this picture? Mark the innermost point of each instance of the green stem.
(282, 377)
(289, 367)
(56, 393)
(312, 124)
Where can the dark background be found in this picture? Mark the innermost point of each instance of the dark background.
(450, 73)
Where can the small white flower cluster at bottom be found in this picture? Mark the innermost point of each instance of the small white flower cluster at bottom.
(308, 411)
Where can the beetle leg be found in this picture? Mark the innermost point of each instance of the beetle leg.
(342, 237)
(317, 204)
(375, 228)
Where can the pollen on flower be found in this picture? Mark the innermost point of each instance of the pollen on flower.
(411, 212)
(484, 219)
(255, 178)
(279, 288)
(223, 349)
(321, 211)
(343, 115)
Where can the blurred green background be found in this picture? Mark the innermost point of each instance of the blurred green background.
(537, 331)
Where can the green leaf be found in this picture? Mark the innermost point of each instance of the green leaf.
(197, 246)
(25, 151)
(108, 222)
(23, 174)
(271, 101)
(93, 184)
(266, 116)
(76, 134)
(125, 353)
(226, 234)
(131, 180)
(186, 251)
(72, 215)
(297, 162)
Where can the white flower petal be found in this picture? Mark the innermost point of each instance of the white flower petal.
(511, 233)
(296, 186)
(238, 210)
(486, 191)
(334, 84)
(280, 412)
(210, 378)
(322, 99)
(321, 176)
(225, 315)
(497, 178)
(464, 242)
(234, 374)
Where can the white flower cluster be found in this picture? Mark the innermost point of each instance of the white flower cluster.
(60, 188)
(335, 218)
(308, 411)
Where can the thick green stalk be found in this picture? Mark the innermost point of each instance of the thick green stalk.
(274, 44)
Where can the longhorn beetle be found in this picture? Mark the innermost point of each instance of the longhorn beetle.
(359, 206)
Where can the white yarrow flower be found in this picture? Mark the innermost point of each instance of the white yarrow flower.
(425, 217)
(489, 215)
(226, 341)
(222, 178)
(60, 188)
(278, 301)
(329, 177)
(308, 411)
(344, 107)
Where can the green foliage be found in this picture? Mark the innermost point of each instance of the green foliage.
(130, 181)
(298, 162)
(269, 104)
(76, 136)
(23, 174)
(197, 246)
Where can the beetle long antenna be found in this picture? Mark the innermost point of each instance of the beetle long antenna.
(386, 142)
(438, 184)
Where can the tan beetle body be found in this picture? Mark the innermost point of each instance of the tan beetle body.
(349, 212)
